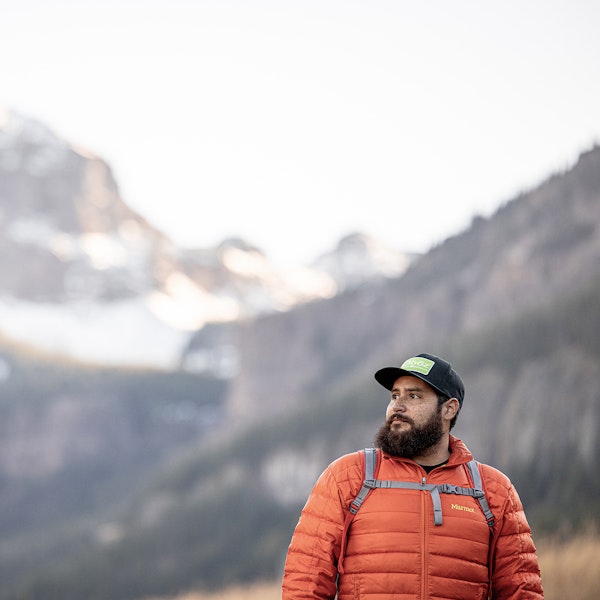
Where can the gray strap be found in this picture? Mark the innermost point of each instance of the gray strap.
(448, 488)
(411, 485)
(370, 483)
(437, 506)
(370, 458)
(475, 474)
(407, 485)
(436, 489)
(367, 486)
(478, 485)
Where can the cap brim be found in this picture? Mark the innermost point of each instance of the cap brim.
(388, 375)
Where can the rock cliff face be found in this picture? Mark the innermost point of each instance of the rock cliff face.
(535, 255)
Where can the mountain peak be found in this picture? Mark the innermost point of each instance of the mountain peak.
(96, 269)
(27, 144)
(359, 257)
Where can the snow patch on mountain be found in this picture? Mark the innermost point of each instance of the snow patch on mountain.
(118, 333)
(185, 306)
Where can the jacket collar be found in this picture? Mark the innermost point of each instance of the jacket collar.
(459, 453)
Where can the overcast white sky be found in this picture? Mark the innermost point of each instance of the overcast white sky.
(294, 122)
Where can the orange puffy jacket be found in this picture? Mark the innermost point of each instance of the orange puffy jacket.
(394, 549)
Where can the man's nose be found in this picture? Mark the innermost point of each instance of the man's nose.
(399, 403)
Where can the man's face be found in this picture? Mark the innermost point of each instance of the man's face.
(413, 419)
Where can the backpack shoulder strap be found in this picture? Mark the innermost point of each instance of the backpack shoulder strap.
(368, 480)
(473, 467)
(368, 484)
(475, 473)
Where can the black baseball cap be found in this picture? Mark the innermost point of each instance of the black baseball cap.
(433, 370)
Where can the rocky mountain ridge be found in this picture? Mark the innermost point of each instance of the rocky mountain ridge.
(536, 249)
(95, 268)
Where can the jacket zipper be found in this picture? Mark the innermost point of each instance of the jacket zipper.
(423, 540)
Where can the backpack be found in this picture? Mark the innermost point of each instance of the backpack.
(370, 483)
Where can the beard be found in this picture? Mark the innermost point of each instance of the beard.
(412, 442)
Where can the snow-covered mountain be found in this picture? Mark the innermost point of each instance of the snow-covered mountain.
(359, 258)
(85, 276)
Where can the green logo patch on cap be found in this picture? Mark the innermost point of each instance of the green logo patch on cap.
(418, 364)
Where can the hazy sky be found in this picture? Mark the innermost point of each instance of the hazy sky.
(293, 123)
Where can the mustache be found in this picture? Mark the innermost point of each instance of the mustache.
(400, 417)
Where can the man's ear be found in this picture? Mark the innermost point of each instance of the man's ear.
(451, 408)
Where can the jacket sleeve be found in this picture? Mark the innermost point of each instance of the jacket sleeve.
(515, 569)
(311, 565)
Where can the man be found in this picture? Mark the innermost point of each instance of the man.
(421, 532)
